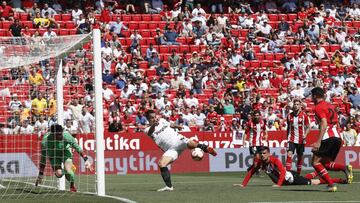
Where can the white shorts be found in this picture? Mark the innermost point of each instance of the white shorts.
(176, 148)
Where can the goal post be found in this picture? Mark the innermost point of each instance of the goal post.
(16, 145)
(99, 121)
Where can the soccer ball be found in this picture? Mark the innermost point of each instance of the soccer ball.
(197, 154)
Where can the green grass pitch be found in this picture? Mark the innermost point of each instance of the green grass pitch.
(197, 188)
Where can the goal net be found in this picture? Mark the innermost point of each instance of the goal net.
(46, 81)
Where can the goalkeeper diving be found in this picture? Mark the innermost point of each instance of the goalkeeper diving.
(56, 145)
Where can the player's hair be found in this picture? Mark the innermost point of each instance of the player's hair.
(263, 148)
(318, 92)
(56, 128)
(147, 114)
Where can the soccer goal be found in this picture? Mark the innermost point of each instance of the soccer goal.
(46, 81)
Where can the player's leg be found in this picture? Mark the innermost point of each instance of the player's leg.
(290, 153)
(70, 174)
(300, 180)
(323, 173)
(167, 158)
(56, 166)
(300, 148)
(191, 144)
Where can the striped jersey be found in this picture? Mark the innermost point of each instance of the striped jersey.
(296, 127)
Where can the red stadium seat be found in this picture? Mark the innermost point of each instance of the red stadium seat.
(28, 24)
(184, 48)
(164, 49)
(6, 24)
(156, 17)
(273, 17)
(143, 26)
(70, 25)
(146, 17)
(63, 32)
(126, 18)
(136, 17)
(291, 17)
(66, 17)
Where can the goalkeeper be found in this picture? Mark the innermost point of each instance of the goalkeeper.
(56, 145)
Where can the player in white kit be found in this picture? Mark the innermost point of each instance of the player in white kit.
(171, 142)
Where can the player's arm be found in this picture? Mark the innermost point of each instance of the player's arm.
(250, 173)
(71, 140)
(307, 126)
(279, 165)
(265, 132)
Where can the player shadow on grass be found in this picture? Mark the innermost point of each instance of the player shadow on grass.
(303, 190)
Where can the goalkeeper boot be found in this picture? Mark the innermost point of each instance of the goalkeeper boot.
(211, 151)
(166, 189)
(331, 188)
(73, 188)
(349, 174)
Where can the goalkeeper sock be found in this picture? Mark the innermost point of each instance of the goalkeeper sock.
(203, 147)
(165, 173)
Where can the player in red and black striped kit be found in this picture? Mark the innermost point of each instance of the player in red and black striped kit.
(273, 167)
(298, 127)
(256, 130)
(328, 145)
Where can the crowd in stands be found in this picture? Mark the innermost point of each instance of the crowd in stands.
(206, 65)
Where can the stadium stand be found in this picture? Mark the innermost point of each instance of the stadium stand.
(204, 65)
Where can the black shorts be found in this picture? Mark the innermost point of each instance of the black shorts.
(329, 148)
(254, 150)
(298, 179)
(298, 147)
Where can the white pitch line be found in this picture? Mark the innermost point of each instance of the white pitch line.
(348, 201)
(2, 187)
(113, 197)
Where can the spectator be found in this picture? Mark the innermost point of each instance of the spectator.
(349, 135)
(39, 105)
(86, 121)
(223, 127)
(154, 61)
(35, 77)
(41, 125)
(33, 10)
(155, 7)
(108, 94)
(49, 10)
(15, 29)
(15, 104)
(40, 22)
(71, 126)
(199, 32)
(115, 122)
(228, 107)
(140, 121)
(354, 98)
(118, 26)
(6, 11)
(192, 101)
(135, 40)
(57, 6)
(170, 36)
(76, 13)
(26, 128)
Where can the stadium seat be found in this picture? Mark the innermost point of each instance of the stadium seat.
(156, 17)
(66, 17)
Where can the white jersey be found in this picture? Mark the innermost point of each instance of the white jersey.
(166, 137)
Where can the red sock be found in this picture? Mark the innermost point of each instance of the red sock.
(323, 173)
(311, 175)
(288, 163)
(338, 180)
(332, 166)
(299, 164)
